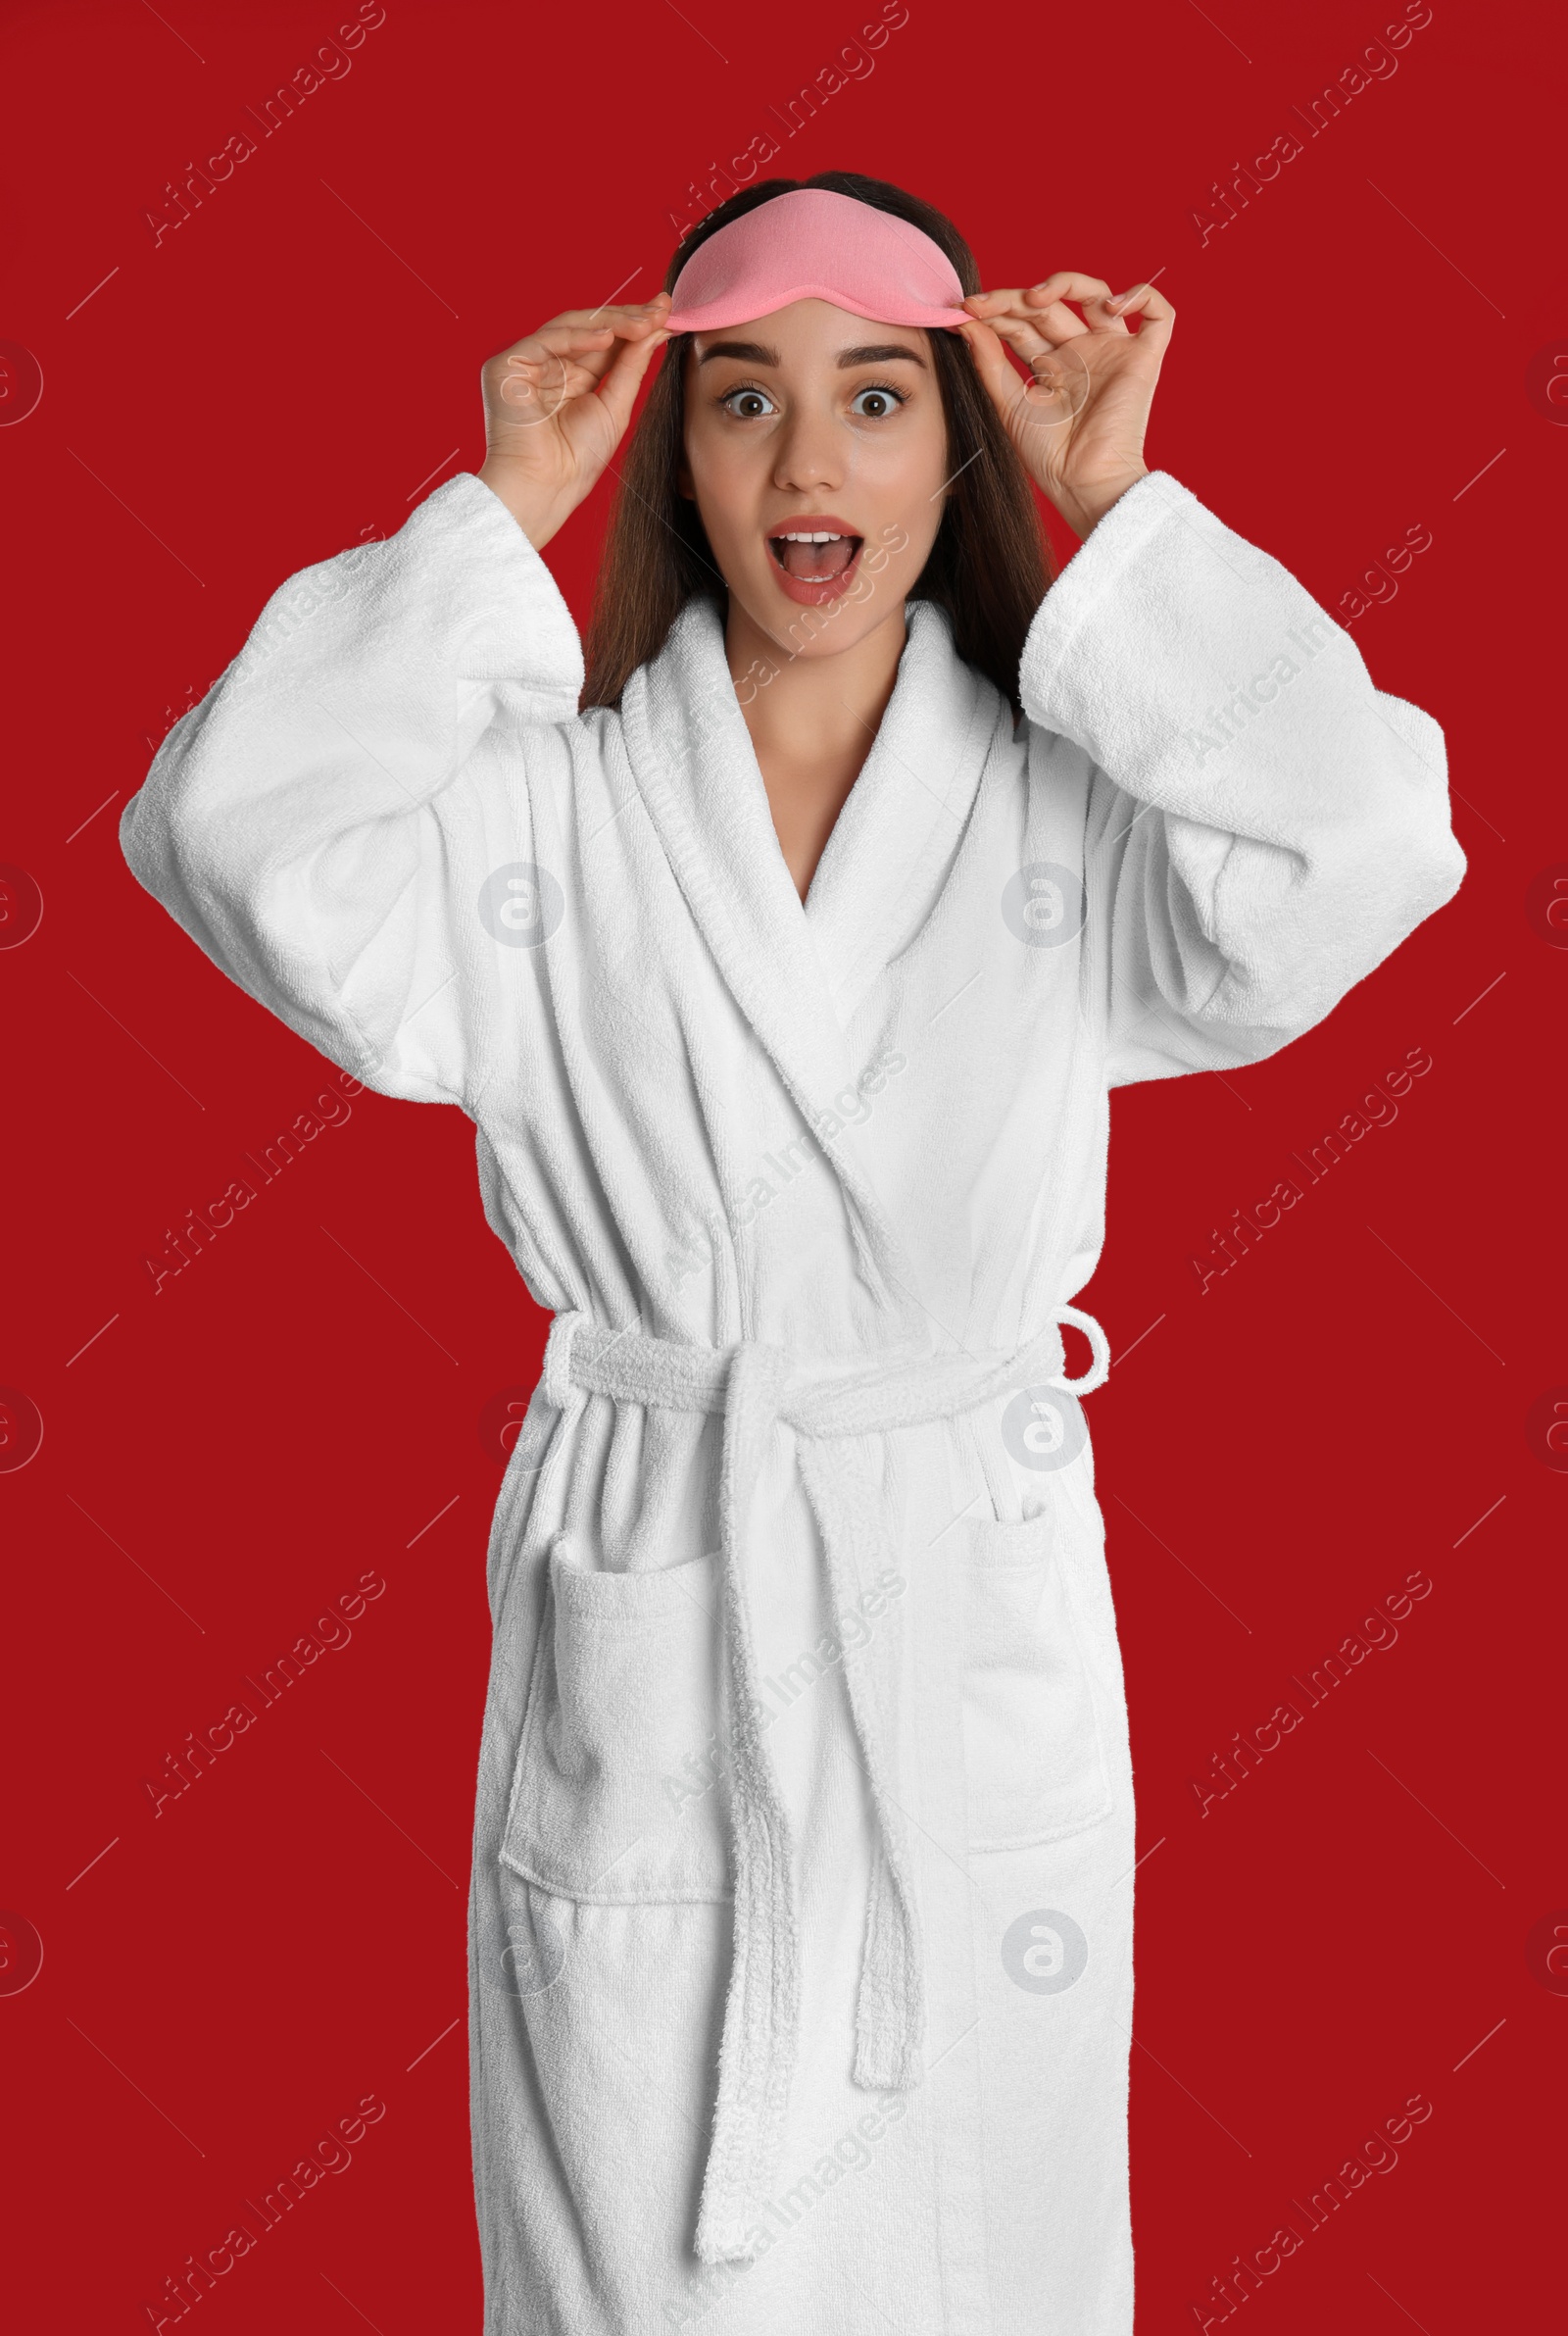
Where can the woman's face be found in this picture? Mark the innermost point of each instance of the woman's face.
(812, 422)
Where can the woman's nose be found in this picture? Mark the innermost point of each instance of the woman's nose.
(809, 455)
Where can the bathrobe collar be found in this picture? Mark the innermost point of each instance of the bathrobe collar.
(895, 840)
(798, 970)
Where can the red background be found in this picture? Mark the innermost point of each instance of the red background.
(290, 369)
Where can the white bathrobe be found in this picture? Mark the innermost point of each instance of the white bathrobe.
(801, 1963)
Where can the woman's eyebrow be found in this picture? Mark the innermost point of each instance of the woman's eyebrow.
(881, 353)
(748, 352)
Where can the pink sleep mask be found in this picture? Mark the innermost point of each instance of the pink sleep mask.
(814, 245)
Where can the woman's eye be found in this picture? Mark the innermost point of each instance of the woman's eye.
(747, 405)
(876, 403)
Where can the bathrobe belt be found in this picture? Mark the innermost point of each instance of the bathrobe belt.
(756, 1387)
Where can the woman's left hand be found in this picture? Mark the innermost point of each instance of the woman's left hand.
(1079, 422)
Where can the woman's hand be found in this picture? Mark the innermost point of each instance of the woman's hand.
(1079, 422)
(556, 406)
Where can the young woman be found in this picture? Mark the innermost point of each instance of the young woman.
(785, 970)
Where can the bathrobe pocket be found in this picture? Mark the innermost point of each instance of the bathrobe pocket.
(617, 1797)
(1035, 1765)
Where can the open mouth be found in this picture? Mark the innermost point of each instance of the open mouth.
(815, 558)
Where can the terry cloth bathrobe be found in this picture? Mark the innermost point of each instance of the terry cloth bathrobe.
(801, 1972)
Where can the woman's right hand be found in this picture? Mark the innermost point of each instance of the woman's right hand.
(556, 406)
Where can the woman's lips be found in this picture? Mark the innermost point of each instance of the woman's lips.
(814, 572)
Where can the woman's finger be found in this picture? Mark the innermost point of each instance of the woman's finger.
(574, 337)
(585, 364)
(1092, 293)
(1068, 283)
(537, 402)
(549, 370)
(1056, 320)
(1158, 317)
(991, 363)
(1049, 364)
(611, 312)
(1047, 301)
(989, 305)
(551, 356)
(583, 328)
(1062, 323)
(529, 390)
(568, 360)
(1025, 341)
(618, 390)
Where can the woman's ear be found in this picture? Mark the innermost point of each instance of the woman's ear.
(683, 479)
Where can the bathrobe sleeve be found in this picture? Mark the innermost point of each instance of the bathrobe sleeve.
(302, 820)
(1264, 825)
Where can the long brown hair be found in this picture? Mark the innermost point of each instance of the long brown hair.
(990, 566)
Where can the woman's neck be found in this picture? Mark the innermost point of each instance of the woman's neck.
(811, 725)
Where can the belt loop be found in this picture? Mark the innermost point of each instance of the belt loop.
(556, 1378)
(1099, 1368)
